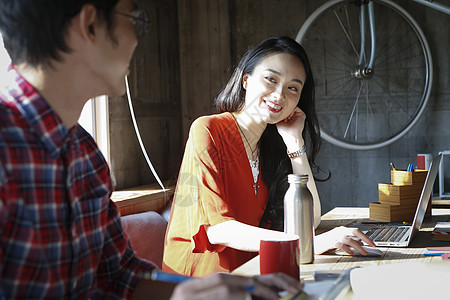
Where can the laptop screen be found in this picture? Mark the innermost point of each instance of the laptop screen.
(425, 196)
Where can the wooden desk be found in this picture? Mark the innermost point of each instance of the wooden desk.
(344, 216)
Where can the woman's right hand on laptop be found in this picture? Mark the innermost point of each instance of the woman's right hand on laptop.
(342, 238)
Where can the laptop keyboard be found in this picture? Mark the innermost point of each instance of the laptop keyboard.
(387, 234)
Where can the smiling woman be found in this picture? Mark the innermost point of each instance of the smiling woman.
(235, 166)
(233, 178)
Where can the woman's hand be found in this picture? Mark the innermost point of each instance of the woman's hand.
(227, 287)
(291, 129)
(342, 238)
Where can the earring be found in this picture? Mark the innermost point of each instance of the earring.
(244, 83)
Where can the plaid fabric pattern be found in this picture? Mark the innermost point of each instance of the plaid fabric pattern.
(60, 233)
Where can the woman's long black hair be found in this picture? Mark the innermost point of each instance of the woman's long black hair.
(275, 164)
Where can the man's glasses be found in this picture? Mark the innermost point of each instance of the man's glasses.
(141, 22)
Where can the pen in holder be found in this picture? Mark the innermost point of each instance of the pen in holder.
(398, 199)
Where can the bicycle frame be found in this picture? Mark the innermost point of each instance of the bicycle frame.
(436, 5)
(367, 71)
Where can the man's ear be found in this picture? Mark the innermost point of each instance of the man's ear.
(245, 80)
(87, 22)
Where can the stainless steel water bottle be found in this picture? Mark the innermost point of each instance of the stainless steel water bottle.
(299, 215)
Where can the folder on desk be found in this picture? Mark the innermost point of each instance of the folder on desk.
(442, 228)
(441, 238)
(327, 289)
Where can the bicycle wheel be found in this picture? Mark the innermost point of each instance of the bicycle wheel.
(367, 112)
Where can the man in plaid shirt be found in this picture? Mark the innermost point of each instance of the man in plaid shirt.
(61, 235)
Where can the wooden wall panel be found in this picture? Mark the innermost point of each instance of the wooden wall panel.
(155, 89)
(204, 56)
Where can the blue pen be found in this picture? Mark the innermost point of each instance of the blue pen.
(435, 253)
(157, 275)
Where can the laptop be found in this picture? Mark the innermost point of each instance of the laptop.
(401, 235)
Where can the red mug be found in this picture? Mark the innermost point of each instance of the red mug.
(277, 256)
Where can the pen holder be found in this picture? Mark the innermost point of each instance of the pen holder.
(398, 199)
(408, 195)
(415, 178)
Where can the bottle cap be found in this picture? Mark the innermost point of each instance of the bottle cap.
(297, 178)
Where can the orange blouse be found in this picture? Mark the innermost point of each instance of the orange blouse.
(215, 184)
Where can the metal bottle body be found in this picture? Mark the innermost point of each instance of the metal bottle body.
(299, 215)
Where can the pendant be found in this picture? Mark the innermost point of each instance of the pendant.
(254, 164)
(255, 186)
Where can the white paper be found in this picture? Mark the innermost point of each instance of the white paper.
(402, 281)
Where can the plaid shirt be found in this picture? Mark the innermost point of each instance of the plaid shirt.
(60, 233)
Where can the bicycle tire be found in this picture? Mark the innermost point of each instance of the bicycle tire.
(397, 94)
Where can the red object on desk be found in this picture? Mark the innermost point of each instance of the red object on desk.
(280, 256)
(445, 256)
(421, 162)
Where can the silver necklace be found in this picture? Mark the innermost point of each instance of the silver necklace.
(254, 161)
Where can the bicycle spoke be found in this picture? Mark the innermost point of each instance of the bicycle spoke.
(332, 81)
(353, 111)
(342, 55)
(393, 100)
(341, 86)
(348, 24)
(382, 27)
(394, 39)
(403, 63)
(368, 106)
(391, 55)
(337, 93)
(340, 59)
(346, 33)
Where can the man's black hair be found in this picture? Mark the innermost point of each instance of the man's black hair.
(34, 30)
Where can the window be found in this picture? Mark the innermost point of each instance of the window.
(95, 119)
(4, 58)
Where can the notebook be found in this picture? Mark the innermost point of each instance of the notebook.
(401, 235)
